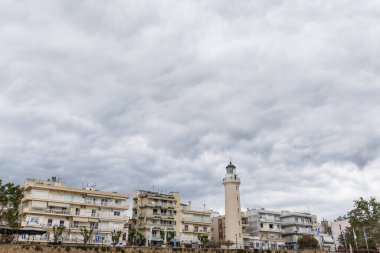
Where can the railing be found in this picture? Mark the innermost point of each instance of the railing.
(153, 203)
(76, 201)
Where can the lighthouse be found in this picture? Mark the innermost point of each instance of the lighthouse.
(233, 230)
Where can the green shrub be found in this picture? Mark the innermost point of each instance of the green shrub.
(67, 248)
(38, 248)
(103, 249)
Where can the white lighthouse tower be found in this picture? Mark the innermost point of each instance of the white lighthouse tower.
(233, 231)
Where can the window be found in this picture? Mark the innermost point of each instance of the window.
(204, 229)
(261, 225)
(278, 227)
(154, 233)
(239, 223)
(104, 202)
(93, 212)
(186, 228)
(238, 210)
(50, 222)
(154, 211)
(271, 226)
(75, 224)
(117, 202)
(62, 223)
(77, 211)
(64, 210)
(93, 225)
(116, 213)
(195, 228)
(34, 220)
(237, 198)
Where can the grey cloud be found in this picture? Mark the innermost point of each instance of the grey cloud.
(134, 94)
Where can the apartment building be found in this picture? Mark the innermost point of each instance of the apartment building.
(49, 203)
(155, 215)
(295, 225)
(266, 227)
(193, 223)
(162, 219)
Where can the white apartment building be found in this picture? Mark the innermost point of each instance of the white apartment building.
(266, 227)
(295, 225)
(49, 203)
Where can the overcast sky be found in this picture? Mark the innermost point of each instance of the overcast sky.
(141, 94)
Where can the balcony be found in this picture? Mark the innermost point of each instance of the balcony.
(46, 210)
(156, 225)
(66, 200)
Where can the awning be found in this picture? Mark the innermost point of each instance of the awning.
(55, 204)
(80, 219)
(25, 230)
(40, 204)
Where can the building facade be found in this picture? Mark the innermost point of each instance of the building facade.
(337, 227)
(163, 219)
(266, 226)
(233, 222)
(192, 224)
(49, 203)
(155, 215)
(295, 225)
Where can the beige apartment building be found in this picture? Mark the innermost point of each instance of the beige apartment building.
(193, 223)
(162, 219)
(49, 203)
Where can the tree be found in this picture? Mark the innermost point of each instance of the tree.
(227, 243)
(86, 234)
(364, 216)
(170, 236)
(203, 239)
(57, 233)
(135, 237)
(10, 199)
(115, 237)
(308, 242)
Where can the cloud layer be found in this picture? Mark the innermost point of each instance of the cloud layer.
(140, 94)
